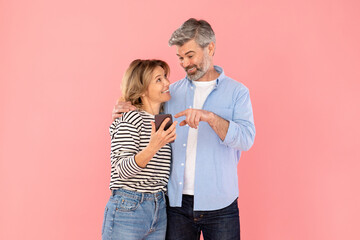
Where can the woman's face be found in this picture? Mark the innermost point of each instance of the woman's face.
(158, 89)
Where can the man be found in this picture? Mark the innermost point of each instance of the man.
(216, 124)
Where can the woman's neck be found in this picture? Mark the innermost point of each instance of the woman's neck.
(151, 108)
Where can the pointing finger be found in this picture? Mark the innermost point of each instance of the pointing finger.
(180, 114)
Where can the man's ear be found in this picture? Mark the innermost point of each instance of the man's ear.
(211, 48)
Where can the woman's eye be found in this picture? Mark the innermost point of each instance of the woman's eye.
(158, 80)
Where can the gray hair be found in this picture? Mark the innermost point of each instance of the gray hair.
(200, 30)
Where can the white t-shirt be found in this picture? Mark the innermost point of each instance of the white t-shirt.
(202, 90)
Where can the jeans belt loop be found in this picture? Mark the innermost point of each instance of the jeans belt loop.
(142, 197)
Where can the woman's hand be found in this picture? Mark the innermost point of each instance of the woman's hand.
(157, 140)
(161, 137)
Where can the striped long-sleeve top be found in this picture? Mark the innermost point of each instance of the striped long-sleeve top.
(129, 135)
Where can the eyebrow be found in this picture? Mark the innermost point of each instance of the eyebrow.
(191, 51)
(157, 76)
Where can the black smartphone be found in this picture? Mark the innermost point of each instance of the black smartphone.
(159, 118)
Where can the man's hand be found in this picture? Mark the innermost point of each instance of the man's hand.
(121, 107)
(194, 116)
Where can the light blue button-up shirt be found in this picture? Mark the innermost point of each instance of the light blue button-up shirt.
(216, 181)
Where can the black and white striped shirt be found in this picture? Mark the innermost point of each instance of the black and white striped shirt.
(129, 135)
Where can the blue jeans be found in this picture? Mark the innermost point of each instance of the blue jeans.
(187, 224)
(132, 215)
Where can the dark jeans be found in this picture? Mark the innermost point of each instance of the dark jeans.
(184, 223)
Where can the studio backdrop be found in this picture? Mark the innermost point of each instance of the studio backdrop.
(61, 64)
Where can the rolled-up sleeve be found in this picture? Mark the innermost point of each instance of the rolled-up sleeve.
(241, 131)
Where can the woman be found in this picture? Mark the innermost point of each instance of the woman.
(140, 157)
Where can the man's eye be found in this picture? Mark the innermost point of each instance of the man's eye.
(190, 56)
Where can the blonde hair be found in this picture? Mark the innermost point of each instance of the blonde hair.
(137, 79)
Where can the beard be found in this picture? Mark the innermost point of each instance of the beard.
(201, 70)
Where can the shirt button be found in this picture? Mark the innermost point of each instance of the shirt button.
(180, 183)
(182, 164)
(184, 145)
(191, 88)
(189, 106)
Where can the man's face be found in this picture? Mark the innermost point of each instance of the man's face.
(195, 60)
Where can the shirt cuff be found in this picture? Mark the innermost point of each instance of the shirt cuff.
(230, 135)
(133, 166)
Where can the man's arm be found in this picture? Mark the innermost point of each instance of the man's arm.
(194, 116)
(237, 133)
(241, 131)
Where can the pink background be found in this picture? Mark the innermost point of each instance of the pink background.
(61, 63)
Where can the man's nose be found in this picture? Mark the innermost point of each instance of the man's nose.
(185, 63)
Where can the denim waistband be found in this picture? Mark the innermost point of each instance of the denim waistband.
(138, 195)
